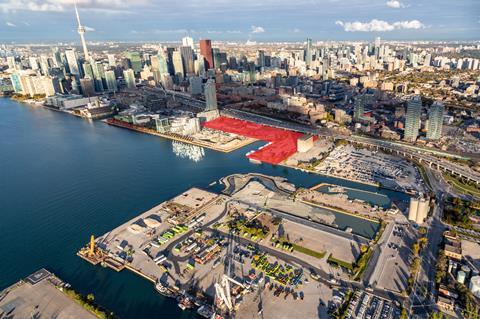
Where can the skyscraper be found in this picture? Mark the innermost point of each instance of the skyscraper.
(135, 61)
(111, 81)
(195, 85)
(99, 76)
(178, 64)
(216, 58)
(111, 60)
(200, 65)
(210, 96)
(187, 42)
(81, 32)
(206, 51)
(87, 70)
(129, 77)
(261, 58)
(412, 122)
(308, 53)
(435, 121)
(187, 59)
(87, 87)
(72, 62)
(358, 107)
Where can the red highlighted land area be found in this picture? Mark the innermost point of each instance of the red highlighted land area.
(283, 143)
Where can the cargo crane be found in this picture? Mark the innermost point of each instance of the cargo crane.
(222, 288)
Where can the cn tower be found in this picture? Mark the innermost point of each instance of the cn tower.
(81, 31)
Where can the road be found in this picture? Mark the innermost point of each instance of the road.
(419, 304)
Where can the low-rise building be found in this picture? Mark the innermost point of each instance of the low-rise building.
(446, 304)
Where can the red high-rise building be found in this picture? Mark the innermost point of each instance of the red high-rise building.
(206, 51)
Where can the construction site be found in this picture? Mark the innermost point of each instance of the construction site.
(219, 253)
(281, 143)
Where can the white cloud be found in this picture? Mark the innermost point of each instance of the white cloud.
(379, 25)
(257, 29)
(107, 6)
(10, 24)
(296, 30)
(395, 4)
(161, 31)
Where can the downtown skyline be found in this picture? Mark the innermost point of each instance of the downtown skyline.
(149, 20)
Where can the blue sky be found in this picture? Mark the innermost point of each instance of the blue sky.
(258, 20)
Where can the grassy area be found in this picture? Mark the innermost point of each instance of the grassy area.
(21, 97)
(458, 212)
(362, 263)
(359, 266)
(461, 186)
(340, 263)
(308, 251)
(380, 231)
(286, 245)
(89, 304)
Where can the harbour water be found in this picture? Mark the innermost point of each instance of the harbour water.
(63, 179)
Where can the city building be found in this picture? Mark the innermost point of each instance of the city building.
(135, 61)
(308, 53)
(195, 85)
(178, 64)
(475, 286)
(72, 62)
(412, 122)
(111, 81)
(305, 143)
(358, 107)
(129, 78)
(187, 42)
(207, 53)
(87, 86)
(210, 95)
(435, 121)
(187, 59)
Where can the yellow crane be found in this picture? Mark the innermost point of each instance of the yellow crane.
(91, 252)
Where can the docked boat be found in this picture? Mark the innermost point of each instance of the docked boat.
(164, 291)
(336, 189)
(206, 311)
(184, 303)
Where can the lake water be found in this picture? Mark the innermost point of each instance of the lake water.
(63, 178)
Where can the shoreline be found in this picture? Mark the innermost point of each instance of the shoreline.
(149, 131)
(213, 147)
(377, 185)
(176, 137)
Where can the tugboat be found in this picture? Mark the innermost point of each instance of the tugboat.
(206, 311)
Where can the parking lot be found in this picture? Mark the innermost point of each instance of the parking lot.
(392, 269)
(366, 306)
